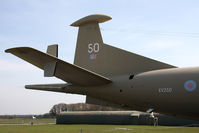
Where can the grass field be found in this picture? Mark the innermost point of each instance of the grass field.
(49, 126)
(27, 120)
(95, 129)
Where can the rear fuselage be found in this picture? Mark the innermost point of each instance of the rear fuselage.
(170, 91)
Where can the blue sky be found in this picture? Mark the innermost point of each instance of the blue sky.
(165, 30)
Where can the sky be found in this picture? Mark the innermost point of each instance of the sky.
(165, 30)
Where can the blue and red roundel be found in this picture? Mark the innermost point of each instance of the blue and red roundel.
(190, 85)
(93, 56)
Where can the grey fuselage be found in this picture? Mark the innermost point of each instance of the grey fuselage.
(163, 90)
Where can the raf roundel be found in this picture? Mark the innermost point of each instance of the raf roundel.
(190, 85)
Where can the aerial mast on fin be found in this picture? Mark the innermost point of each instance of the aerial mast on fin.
(95, 18)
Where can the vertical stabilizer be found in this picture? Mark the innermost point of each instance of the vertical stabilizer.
(93, 54)
(53, 50)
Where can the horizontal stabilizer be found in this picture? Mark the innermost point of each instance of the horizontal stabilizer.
(48, 87)
(62, 70)
(62, 87)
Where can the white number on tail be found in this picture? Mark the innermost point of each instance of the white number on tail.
(93, 47)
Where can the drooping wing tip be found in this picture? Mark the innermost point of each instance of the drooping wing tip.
(10, 50)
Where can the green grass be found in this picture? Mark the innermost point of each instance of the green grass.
(52, 128)
(95, 129)
(27, 120)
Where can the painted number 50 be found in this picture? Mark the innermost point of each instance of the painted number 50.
(93, 47)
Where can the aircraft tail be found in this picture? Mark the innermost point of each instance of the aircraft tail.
(92, 54)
